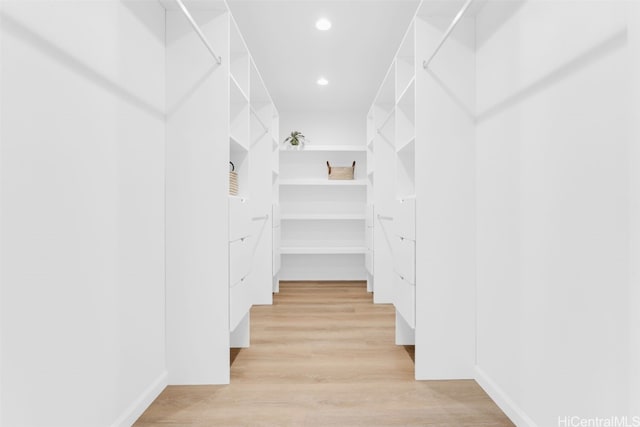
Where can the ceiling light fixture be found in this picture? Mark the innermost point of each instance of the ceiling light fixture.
(322, 81)
(323, 24)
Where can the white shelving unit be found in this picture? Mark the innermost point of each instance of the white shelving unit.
(322, 220)
(412, 257)
(220, 246)
(251, 123)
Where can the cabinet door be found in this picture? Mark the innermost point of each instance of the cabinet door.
(240, 252)
(239, 301)
(239, 218)
(405, 218)
(404, 299)
(404, 257)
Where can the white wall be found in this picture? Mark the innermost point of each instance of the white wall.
(553, 208)
(197, 200)
(325, 127)
(634, 283)
(83, 211)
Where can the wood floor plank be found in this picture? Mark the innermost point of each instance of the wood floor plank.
(324, 355)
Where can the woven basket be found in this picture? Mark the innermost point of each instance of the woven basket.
(341, 173)
(233, 181)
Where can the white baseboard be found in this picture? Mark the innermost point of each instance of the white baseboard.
(133, 412)
(508, 406)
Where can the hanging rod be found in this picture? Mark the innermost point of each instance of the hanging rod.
(198, 31)
(463, 10)
(385, 218)
(261, 218)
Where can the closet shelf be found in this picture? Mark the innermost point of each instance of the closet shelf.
(407, 145)
(319, 250)
(323, 182)
(341, 148)
(237, 95)
(237, 146)
(323, 217)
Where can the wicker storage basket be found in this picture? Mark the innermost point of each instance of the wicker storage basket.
(233, 181)
(341, 172)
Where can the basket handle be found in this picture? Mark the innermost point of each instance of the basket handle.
(353, 165)
(233, 167)
(329, 166)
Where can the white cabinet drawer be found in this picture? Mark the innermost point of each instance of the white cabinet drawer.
(405, 218)
(239, 218)
(240, 252)
(404, 257)
(239, 302)
(404, 299)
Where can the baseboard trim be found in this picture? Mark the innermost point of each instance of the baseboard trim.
(508, 406)
(133, 412)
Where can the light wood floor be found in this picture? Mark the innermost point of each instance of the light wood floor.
(324, 355)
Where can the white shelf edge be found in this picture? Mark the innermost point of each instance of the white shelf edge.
(320, 250)
(323, 217)
(325, 148)
(324, 182)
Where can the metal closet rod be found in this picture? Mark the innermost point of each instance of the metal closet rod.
(452, 26)
(198, 31)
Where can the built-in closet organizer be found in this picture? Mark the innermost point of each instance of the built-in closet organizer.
(220, 239)
(420, 139)
(323, 220)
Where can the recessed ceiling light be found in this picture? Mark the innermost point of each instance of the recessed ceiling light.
(323, 24)
(322, 81)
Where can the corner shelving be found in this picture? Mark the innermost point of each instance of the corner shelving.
(322, 219)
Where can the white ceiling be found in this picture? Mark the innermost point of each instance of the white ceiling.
(353, 55)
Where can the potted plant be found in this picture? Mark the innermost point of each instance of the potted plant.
(295, 140)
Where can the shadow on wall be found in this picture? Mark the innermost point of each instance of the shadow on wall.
(616, 41)
(17, 29)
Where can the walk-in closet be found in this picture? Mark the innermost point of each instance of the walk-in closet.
(319, 212)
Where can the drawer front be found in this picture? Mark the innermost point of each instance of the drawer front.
(404, 299)
(239, 302)
(240, 252)
(405, 218)
(239, 218)
(404, 257)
